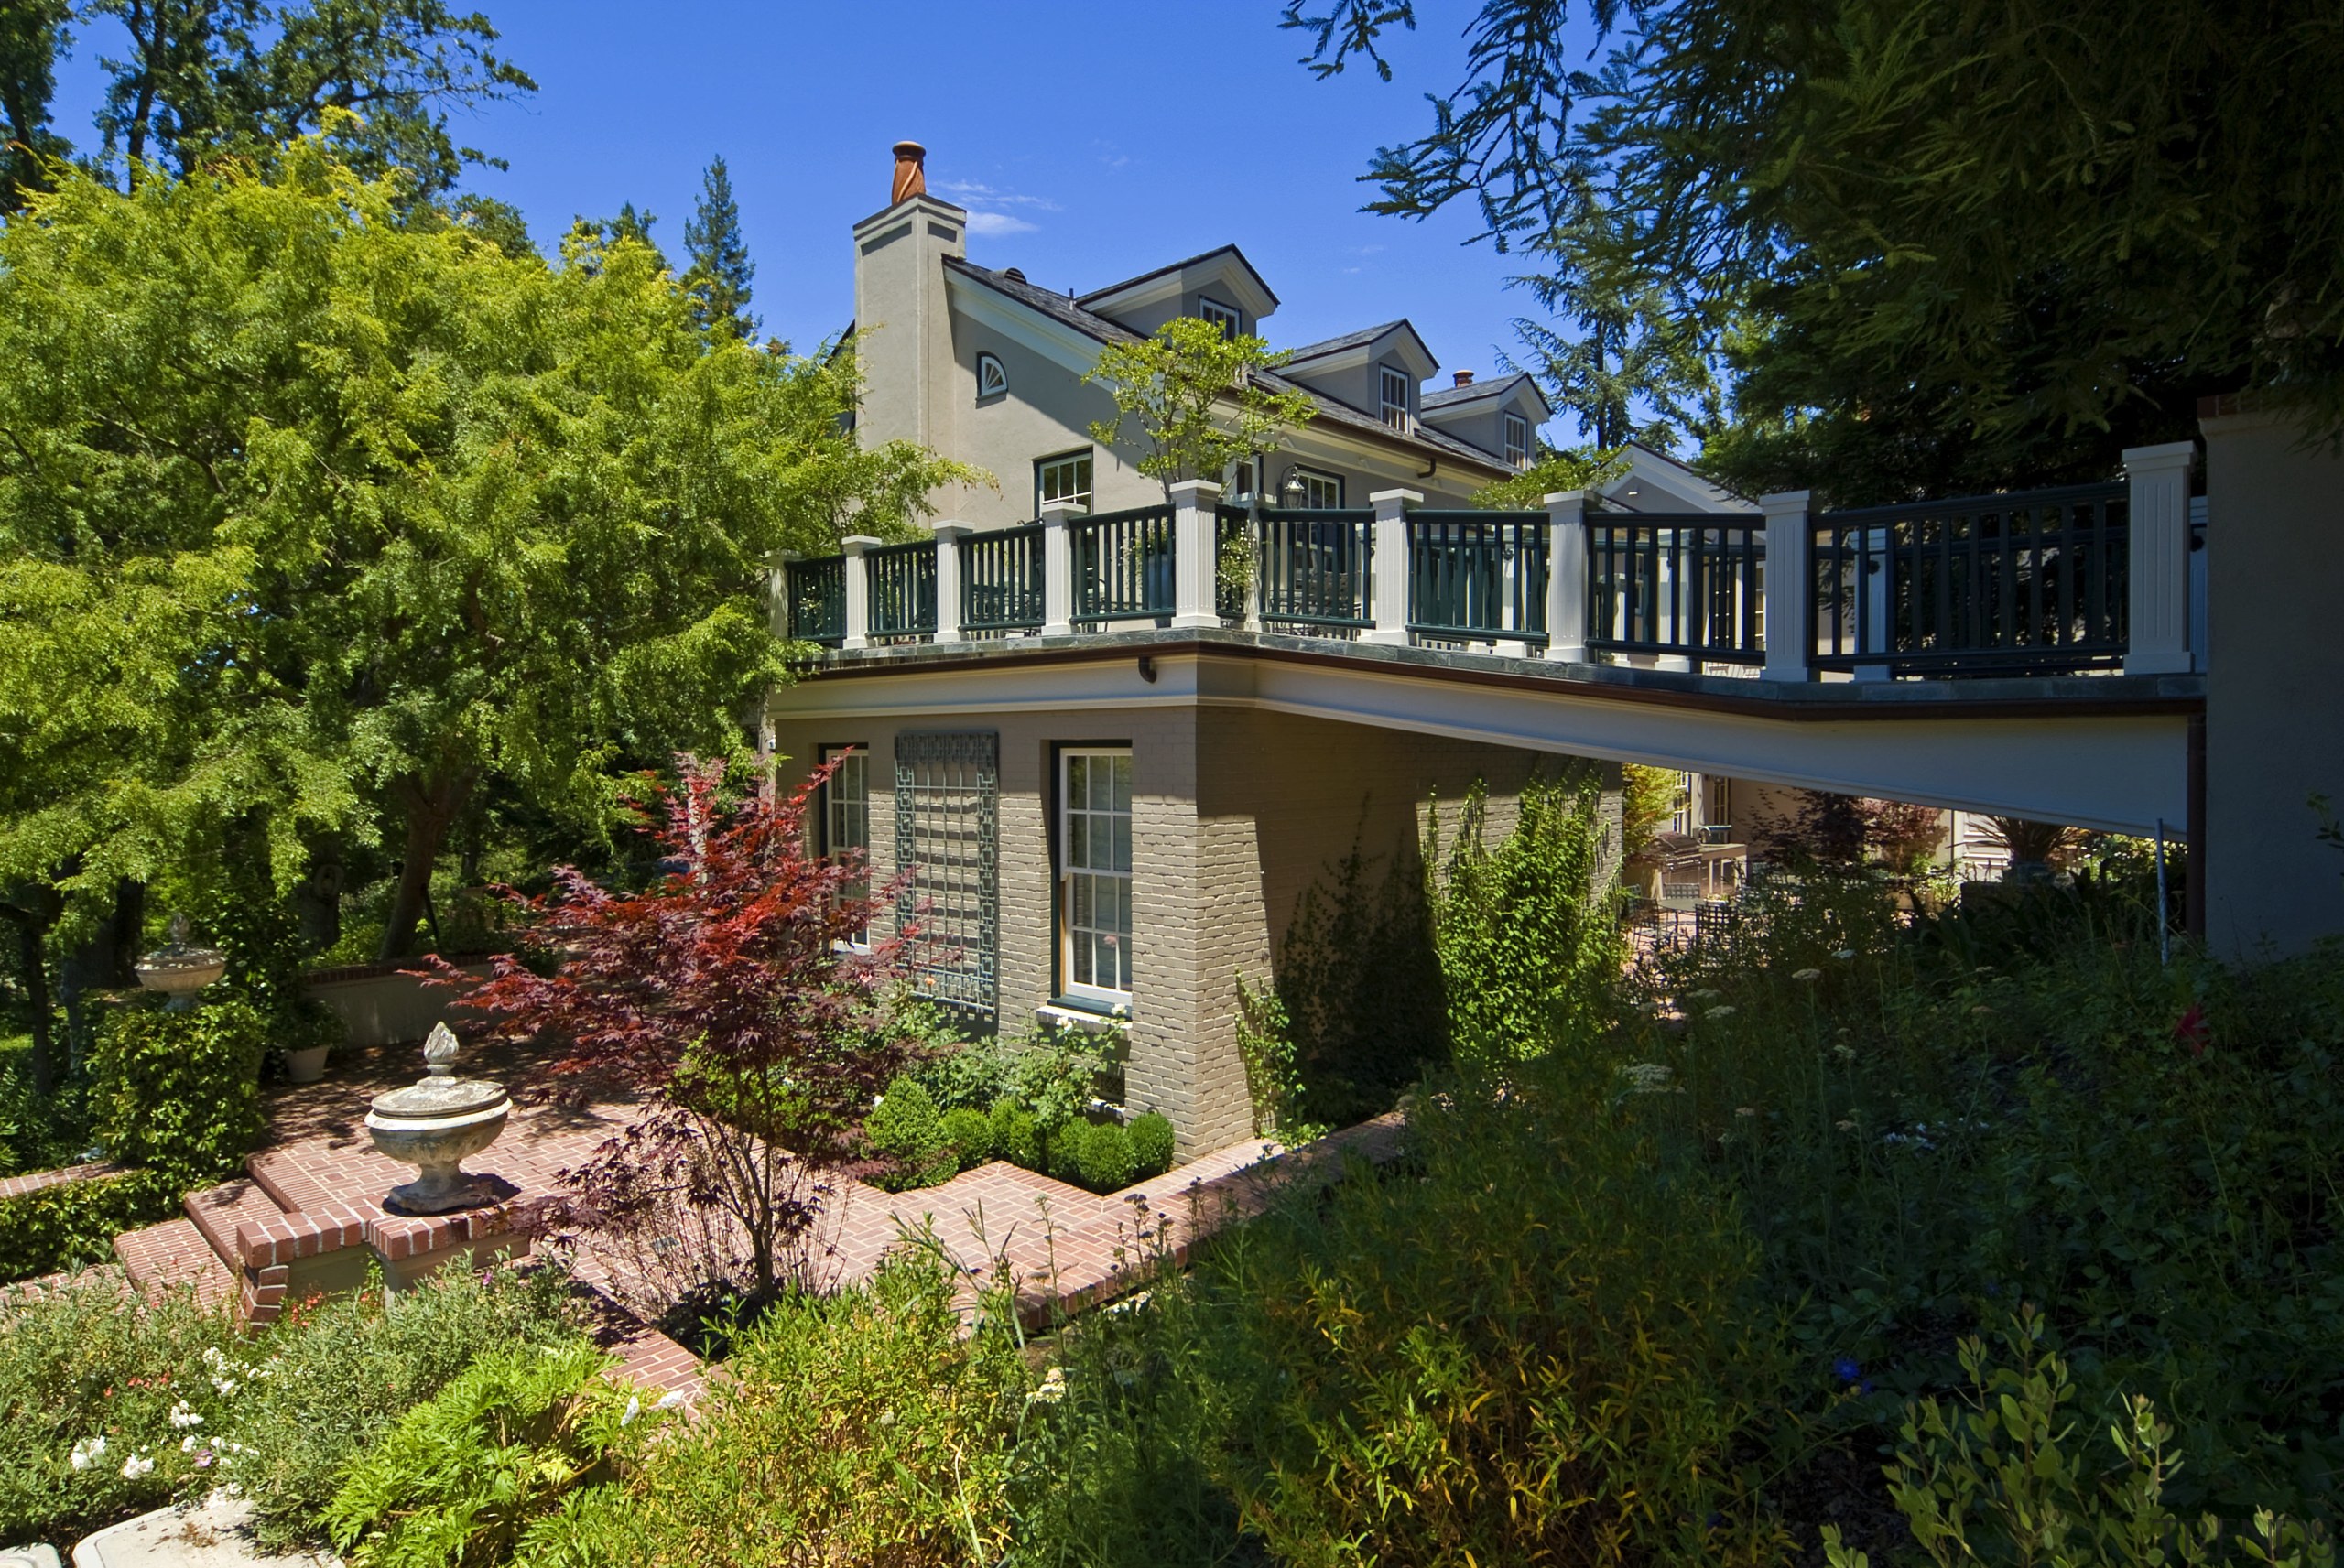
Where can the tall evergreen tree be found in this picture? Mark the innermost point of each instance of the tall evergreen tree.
(32, 33)
(718, 278)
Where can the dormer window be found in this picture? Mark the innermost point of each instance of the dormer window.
(1395, 398)
(1225, 317)
(992, 379)
(1517, 440)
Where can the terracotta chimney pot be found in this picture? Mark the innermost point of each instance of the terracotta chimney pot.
(1464, 378)
(911, 171)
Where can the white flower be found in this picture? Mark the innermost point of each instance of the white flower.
(136, 1465)
(1844, 954)
(182, 1417)
(187, 1444)
(1719, 1012)
(1051, 1389)
(669, 1399)
(634, 1408)
(226, 1385)
(1808, 975)
(1648, 1077)
(1705, 993)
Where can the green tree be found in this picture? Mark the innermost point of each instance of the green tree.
(717, 277)
(318, 519)
(1557, 468)
(203, 77)
(1954, 241)
(32, 35)
(592, 238)
(1195, 395)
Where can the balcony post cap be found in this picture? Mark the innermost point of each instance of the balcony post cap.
(1783, 501)
(855, 544)
(1197, 490)
(2166, 455)
(952, 528)
(1564, 498)
(1404, 497)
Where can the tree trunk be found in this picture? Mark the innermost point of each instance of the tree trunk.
(32, 917)
(101, 963)
(431, 805)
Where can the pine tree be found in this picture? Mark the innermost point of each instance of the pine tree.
(718, 278)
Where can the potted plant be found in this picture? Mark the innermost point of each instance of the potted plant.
(312, 1031)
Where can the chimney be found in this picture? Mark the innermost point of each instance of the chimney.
(911, 171)
(1464, 378)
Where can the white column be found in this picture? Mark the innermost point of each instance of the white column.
(1567, 576)
(1872, 587)
(858, 589)
(1058, 572)
(948, 580)
(1508, 574)
(1391, 568)
(1192, 544)
(779, 610)
(1790, 553)
(2159, 571)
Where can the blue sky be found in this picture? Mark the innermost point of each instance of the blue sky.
(1092, 142)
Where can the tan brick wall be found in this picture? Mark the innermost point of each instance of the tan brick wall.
(1235, 813)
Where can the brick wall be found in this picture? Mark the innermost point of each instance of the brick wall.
(1235, 811)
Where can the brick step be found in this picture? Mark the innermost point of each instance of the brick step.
(288, 1184)
(217, 1211)
(175, 1253)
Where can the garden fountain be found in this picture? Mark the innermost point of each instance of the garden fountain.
(177, 970)
(434, 1124)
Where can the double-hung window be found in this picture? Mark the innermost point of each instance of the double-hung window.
(1395, 397)
(1063, 481)
(1320, 492)
(1225, 317)
(1095, 885)
(1517, 440)
(846, 815)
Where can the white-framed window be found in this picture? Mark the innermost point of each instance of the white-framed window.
(1225, 317)
(1242, 476)
(1095, 878)
(1517, 440)
(1395, 397)
(992, 377)
(1681, 820)
(1319, 491)
(846, 814)
(1063, 481)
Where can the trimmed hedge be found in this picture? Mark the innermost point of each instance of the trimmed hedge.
(180, 1091)
(54, 1229)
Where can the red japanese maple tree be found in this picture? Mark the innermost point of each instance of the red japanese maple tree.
(736, 996)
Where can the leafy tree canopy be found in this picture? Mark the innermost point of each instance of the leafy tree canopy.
(32, 35)
(311, 510)
(1191, 390)
(1947, 242)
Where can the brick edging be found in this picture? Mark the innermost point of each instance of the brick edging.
(63, 1176)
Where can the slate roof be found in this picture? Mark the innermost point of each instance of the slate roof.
(1072, 312)
(1450, 397)
(1153, 273)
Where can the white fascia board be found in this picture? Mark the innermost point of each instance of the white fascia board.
(1649, 466)
(1044, 335)
(2117, 773)
(1340, 443)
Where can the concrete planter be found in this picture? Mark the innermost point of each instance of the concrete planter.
(306, 1065)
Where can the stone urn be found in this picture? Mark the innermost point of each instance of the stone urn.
(434, 1124)
(177, 970)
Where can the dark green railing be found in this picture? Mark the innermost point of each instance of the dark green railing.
(1122, 565)
(816, 594)
(1315, 568)
(901, 581)
(1690, 584)
(1001, 580)
(1478, 576)
(2030, 582)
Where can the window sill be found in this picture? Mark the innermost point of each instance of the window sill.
(1090, 1014)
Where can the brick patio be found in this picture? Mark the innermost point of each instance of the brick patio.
(306, 1216)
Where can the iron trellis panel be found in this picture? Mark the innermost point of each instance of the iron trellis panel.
(947, 842)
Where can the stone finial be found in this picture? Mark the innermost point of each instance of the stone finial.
(177, 930)
(911, 172)
(439, 1052)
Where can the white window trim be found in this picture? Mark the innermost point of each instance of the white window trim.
(1228, 318)
(1386, 376)
(1052, 460)
(990, 361)
(824, 756)
(1511, 423)
(1306, 474)
(1120, 1000)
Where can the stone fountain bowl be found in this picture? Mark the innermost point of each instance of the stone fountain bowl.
(180, 973)
(434, 1126)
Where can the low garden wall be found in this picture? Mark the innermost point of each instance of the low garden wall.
(378, 1005)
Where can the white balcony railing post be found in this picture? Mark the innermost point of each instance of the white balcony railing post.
(1790, 554)
(858, 589)
(2158, 639)
(780, 615)
(1391, 565)
(1057, 571)
(1192, 547)
(1567, 576)
(948, 580)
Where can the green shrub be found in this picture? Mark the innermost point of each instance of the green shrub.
(469, 1477)
(1016, 1136)
(866, 1427)
(331, 1378)
(88, 1362)
(1106, 1163)
(1065, 1149)
(53, 1228)
(969, 1134)
(1152, 1141)
(907, 1131)
(180, 1092)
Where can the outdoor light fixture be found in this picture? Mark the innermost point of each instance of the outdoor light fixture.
(1147, 669)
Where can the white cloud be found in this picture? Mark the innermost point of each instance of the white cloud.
(991, 224)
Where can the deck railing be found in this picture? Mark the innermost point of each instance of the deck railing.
(1315, 569)
(1122, 565)
(901, 580)
(2030, 582)
(2038, 582)
(1001, 580)
(1478, 576)
(1690, 585)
